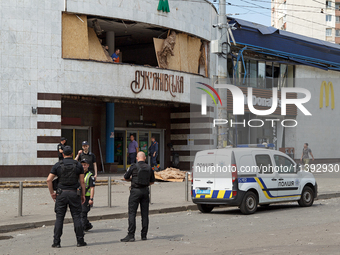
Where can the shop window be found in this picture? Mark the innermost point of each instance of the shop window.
(252, 73)
(282, 81)
(261, 74)
(269, 75)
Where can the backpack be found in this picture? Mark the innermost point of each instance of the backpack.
(143, 176)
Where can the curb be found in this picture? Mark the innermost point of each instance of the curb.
(25, 226)
(39, 224)
(328, 196)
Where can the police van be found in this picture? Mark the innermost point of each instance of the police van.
(248, 177)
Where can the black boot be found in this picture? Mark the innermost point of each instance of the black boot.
(128, 238)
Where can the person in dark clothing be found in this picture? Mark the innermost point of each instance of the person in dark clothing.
(153, 151)
(141, 177)
(89, 194)
(91, 158)
(60, 147)
(70, 173)
(132, 150)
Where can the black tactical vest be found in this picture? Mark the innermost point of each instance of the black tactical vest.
(68, 176)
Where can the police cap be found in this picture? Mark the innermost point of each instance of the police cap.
(67, 150)
(84, 160)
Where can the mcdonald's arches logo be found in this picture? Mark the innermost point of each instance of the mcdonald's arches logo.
(328, 89)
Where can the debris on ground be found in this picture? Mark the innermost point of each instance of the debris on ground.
(170, 174)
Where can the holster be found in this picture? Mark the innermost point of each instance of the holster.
(79, 191)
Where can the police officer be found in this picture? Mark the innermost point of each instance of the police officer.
(89, 194)
(70, 173)
(60, 147)
(153, 151)
(141, 177)
(91, 158)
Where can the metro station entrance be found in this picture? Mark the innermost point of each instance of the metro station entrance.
(143, 138)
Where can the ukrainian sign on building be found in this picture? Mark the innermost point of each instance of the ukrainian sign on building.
(145, 80)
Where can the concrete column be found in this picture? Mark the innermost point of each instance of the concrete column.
(110, 41)
(110, 128)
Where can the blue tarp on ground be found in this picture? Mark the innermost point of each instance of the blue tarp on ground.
(297, 48)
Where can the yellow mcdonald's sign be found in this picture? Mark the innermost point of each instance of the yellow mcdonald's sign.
(328, 88)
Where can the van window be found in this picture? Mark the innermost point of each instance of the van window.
(284, 165)
(264, 164)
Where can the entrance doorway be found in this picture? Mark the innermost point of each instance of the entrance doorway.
(75, 136)
(143, 138)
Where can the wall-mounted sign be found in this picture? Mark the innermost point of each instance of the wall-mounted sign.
(141, 124)
(328, 90)
(157, 81)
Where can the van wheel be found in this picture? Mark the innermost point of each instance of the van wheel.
(249, 203)
(307, 197)
(205, 208)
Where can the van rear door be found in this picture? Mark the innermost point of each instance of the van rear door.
(211, 178)
(223, 174)
(203, 178)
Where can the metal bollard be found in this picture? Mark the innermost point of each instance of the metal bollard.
(186, 186)
(109, 191)
(21, 186)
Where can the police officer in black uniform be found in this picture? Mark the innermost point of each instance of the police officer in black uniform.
(60, 147)
(141, 177)
(70, 176)
(90, 157)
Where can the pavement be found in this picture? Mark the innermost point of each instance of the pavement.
(278, 229)
(166, 197)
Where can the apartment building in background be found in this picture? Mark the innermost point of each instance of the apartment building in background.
(319, 19)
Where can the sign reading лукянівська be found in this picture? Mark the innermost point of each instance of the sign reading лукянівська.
(145, 80)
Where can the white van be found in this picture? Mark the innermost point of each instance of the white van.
(248, 177)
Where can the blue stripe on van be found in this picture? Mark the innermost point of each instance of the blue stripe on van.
(227, 194)
(214, 194)
(244, 180)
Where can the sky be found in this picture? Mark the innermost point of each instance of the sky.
(249, 10)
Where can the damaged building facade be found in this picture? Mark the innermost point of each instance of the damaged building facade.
(58, 79)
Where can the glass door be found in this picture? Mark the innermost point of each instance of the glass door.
(119, 149)
(157, 136)
(144, 143)
(75, 136)
(128, 141)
